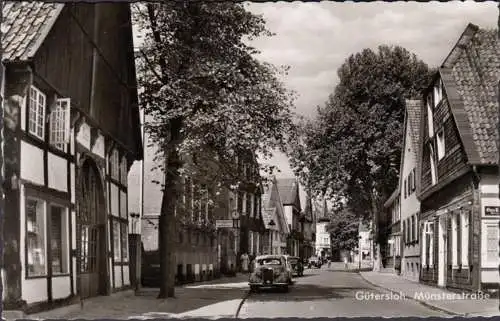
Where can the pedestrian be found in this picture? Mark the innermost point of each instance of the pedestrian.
(244, 262)
(345, 263)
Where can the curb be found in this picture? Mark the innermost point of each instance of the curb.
(424, 303)
(245, 297)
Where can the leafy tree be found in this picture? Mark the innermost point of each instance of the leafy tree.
(209, 100)
(352, 150)
(343, 228)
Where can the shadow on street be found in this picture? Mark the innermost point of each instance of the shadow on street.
(305, 292)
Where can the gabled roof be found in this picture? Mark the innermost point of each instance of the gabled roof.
(289, 190)
(25, 26)
(269, 214)
(470, 77)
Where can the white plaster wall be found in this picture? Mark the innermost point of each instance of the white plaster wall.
(134, 187)
(488, 183)
(289, 215)
(73, 183)
(83, 136)
(31, 163)
(23, 112)
(34, 290)
(118, 276)
(123, 204)
(57, 173)
(114, 199)
(61, 287)
(72, 141)
(126, 275)
(98, 147)
(110, 271)
(490, 276)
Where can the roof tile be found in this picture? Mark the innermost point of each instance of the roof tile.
(24, 25)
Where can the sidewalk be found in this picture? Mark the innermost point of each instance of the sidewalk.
(434, 297)
(188, 298)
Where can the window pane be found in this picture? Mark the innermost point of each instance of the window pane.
(116, 241)
(124, 242)
(35, 235)
(492, 243)
(58, 241)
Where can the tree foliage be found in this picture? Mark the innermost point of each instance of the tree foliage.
(208, 98)
(352, 150)
(343, 228)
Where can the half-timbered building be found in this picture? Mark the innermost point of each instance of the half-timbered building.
(458, 166)
(72, 132)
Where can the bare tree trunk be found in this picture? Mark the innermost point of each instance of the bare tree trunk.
(376, 222)
(167, 224)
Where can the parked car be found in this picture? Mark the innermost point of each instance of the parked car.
(296, 265)
(314, 261)
(270, 271)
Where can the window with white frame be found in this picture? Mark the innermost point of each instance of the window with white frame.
(492, 243)
(441, 148)
(36, 119)
(428, 243)
(438, 93)
(424, 254)
(430, 119)
(464, 217)
(35, 237)
(60, 124)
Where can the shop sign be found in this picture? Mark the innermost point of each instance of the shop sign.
(492, 210)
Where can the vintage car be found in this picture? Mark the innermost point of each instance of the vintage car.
(270, 271)
(314, 261)
(296, 265)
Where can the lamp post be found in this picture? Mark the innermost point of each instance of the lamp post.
(271, 223)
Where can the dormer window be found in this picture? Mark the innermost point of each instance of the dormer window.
(441, 151)
(430, 119)
(438, 93)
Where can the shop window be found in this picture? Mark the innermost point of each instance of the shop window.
(116, 241)
(124, 241)
(59, 240)
(36, 117)
(492, 243)
(35, 238)
(60, 124)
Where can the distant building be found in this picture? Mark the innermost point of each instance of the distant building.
(289, 192)
(273, 215)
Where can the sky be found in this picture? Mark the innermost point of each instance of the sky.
(314, 39)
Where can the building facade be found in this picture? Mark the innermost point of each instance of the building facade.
(68, 95)
(323, 240)
(392, 245)
(273, 214)
(308, 227)
(410, 205)
(458, 167)
(289, 192)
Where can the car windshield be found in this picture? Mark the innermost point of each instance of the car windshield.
(269, 261)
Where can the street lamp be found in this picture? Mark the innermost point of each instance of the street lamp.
(271, 223)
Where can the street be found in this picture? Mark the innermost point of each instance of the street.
(323, 293)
